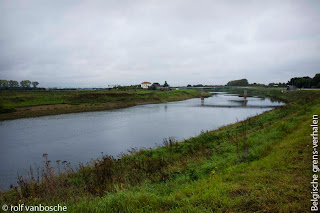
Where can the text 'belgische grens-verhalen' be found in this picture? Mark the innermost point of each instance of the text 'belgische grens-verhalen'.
(315, 164)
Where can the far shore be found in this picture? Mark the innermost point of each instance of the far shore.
(15, 104)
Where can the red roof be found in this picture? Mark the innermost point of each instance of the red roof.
(145, 83)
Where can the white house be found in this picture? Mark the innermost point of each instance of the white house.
(145, 85)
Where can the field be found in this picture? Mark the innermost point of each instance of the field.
(23, 104)
(262, 164)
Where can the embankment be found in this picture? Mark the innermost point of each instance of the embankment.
(25, 104)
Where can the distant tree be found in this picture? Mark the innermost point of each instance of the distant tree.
(25, 83)
(241, 82)
(301, 82)
(35, 84)
(316, 81)
(282, 84)
(165, 84)
(292, 81)
(304, 82)
(3, 83)
(278, 84)
(198, 85)
(189, 85)
(13, 83)
(152, 87)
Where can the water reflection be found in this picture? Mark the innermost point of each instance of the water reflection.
(240, 102)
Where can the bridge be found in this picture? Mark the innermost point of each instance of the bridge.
(229, 87)
(242, 105)
(245, 93)
(239, 106)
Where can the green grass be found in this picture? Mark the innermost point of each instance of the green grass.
(262, 164)
(22, 104)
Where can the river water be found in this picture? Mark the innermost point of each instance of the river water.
(81, 136)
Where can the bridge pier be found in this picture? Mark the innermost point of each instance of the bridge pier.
(202, 94)
(202, 97)
(245, 93)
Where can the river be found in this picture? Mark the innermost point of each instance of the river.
(79, 137)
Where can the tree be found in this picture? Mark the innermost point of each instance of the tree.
(152, 87)
(316, 81)
(165, 84)
(198, 85)
(301, 82)
(13, 83)
(35, 84)
(25, 83)
(278, 84)
(241, 82)
(3, 83)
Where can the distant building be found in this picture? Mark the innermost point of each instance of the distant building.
(145, 85)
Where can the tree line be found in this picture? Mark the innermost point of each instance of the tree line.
(300, 82)
(24, 84)
(306, 82)
(241, 82)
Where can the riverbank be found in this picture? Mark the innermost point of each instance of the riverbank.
(260, 164)
(25, 104)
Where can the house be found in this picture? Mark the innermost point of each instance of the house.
(145, 85)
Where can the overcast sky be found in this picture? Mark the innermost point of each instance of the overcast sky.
(99, 43)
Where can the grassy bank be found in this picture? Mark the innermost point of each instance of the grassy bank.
(262, 164)
(23, 104)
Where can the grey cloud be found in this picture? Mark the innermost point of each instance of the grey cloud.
(96, 43)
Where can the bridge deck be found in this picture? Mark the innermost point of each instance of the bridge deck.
(240, 106)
